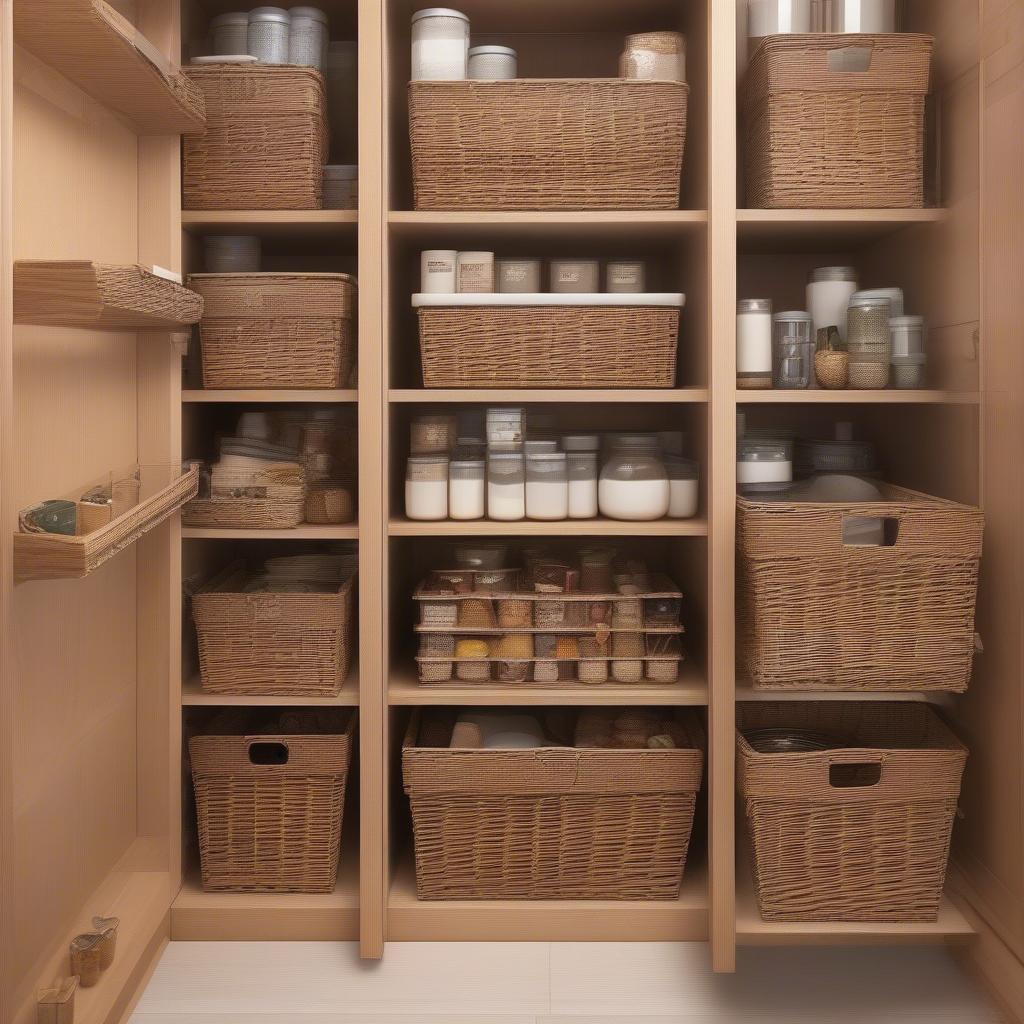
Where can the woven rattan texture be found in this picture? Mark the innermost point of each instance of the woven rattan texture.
(870, 852)
(549, 346)
(247, 513)
(814, 612)
(547, 144)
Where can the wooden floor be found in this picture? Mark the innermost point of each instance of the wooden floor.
(554, 983)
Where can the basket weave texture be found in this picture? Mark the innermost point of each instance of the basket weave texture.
(547, 144)
(819, 135)
(276, 330)
(550, 823)
(548, 346)
(271, 827)
(273, 643)
(266, 139)
(814, 612)
(854, 834)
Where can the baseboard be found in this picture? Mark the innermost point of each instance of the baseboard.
(139, 979)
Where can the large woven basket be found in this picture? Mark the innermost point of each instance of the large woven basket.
(551, 823)
(856, 833)
(821, 132)
(276, 330)
(547, 144)
(273, 642)
(269, 807)
(266, 139)
(815, 612)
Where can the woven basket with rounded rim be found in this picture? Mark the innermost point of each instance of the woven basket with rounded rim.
(856, 833)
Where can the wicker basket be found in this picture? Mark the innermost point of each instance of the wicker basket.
(329, 502)
(821, 132)
(815, 612)
(856, 833)
(277, 330)
(273, 643)
(266, 139)
(551, 823)
(269, 807)
(547, 144)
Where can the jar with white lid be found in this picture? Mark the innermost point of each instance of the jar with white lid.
(467, 486)
(518, 275)
(654, 57)
(506, 486)
(792, 350)
(625, 276)
(778, 17)
(341, 187)
(683, 486)
(437, 271)
(492, 63)
(907, 335)
(893, 295)
(574, 276)
(581, 468)
(829, 290)
(869, 342)
(763, 461)
(874, 16)
(231, 254)
(307, 44)
(754, 344)
(547, 486)
(230, 34)
(268, 34)
(440, 45)
(634, 482)
(426, 487)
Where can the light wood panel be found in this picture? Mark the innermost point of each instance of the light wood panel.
(289, 224)
(247, 396)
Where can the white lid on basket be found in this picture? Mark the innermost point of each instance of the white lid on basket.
(439, 12)
(343, 172)
(230, 18)
(674, 299)
(230, 58)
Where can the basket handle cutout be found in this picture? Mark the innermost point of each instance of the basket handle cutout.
(850, 59)
(268, 754)
(854, 770)
(871, 531)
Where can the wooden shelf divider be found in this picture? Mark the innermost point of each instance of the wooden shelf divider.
(251, 395)
(599, 527)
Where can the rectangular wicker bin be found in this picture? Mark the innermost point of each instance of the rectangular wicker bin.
(277, 330)
(273, 643)
(266, 139)
(547, 144)
(856, 833)
(269, 805)
(549, 823)
(836, 121)
(549, 341)
(814, 612)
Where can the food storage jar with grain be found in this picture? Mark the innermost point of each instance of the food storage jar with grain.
(792, 350)
(571, 276)
(231, 254)
(518, 275)
(547, 486)
(778, 17)
(492, 63)
(625, 276)
(437, 271)
(230, 33)
(467, 485)
(307, 44)
(874, 16)
(440, 45)
(474, 272)
(634, 482)
(654, 57)
(868, 342)
(763, 461)
(268, 34)
(754, 343)
(683, 486)
(506, 486)
(341, 187)
(581, 468)
(426, 487)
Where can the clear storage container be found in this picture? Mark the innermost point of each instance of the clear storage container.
(440, 45)
(792, 350)
(754, 344)
(268, 35)
(230, 34)
(467, 487)
(907, 335)
(634, 482)
(506, 486)
(307, 44)
(426, 487)
(492, 63)
(908, 372)
(763, 462)
(868, 342)
(581, 467)
(547, 486)
(683, 486)
(874, 16)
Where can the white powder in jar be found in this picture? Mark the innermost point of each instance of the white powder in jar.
(547, 499)
(426, 499)
(682, 502)
(506, 501)
(466, 498)
(636, 500)
(583, 498)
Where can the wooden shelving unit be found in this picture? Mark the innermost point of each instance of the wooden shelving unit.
(456, 396)
(599, 527)
(256, 396)
(305, 532)
(288, 224)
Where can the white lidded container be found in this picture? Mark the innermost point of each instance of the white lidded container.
(907, 334)
(625, 276)
(341, 187)
(893, 295)
(269, 33)
(778, 17)
(492, 63)
(474, 272)
(683, 486)
(754, 343)
(634, 482)
(574, 276)
(654, 57)
(229, 33)
(581, 469)
(437, 271)
(426, 487)
(231, 254)
(547, 486)
(858, 16)
(506, 486)
(467, 487)
(518, 275)
(307, 45)
(829, 290)
(440, 45)
(763, 461)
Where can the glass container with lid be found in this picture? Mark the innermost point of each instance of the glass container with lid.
(440, 45)
(581, 467)
(307, 46)
(467, 484)
(426, 487)
(869, 341)
(268, 34)
(763, 461)
(792, 350)
(634, 482)
(547, 486)
(683, 486)
(841, 454)
(492, 63)
(506, 486)
(754, 343)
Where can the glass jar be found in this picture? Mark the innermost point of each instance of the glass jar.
(307, 45)
(754, 344)
(908, 372)
(907, 335)
(492, 63)
(634, 482)
(230, 34)
(581, 467)
(654, 56)
(467, 497)
(440, 45)
(426, 487)
(547, 486)
(504, 425)
(268, 34)
(625, 276)
(829, 290)
(683, 486)
(506, 486)
(869, 342)
(894, 295)
(763, 461)
(875, 16)
(792, 350)
(518, 276)
(573, 277)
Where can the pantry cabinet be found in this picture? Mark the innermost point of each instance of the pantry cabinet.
(100, 683)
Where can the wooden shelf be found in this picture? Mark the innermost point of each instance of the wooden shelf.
(88, 42)
(681, 920)
(307, 532)
(823, 230)
(193, 695)
(851, 397)
(248, 396)
(100, 296)
(697, 527)
(274, 223)
(525, 395)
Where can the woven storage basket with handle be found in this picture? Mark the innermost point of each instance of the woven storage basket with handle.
(266, 139)
(269, 807)
(550, 823)
(276, 330)
(837, 120)
(815, 612)
(856, 833)
(547, 144)
(273, 642)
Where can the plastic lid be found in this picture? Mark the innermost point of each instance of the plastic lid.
(832, 274)
(345, 172)
(540, 446)
(906, 321)
(309, 12)
(439, 12)
(504, 456)
(863, 299)
(792, 316)
(231, 18)
(474, 50)
(276, 14)
(754, 306)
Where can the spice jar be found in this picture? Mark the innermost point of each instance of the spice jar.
(868, 342)
(231, 254)
(547, 486)
(792, 350)
(581, 468)
(426, 487)
(474, 272)
(634, 483)
(754, 344)
(569, 277)
(268, 34)
(341, 187)
(492, 63)
(230, 34)
(440, 45)
(437, 271)
(625, 276)
(654, 56)
(466, 487)
(763, 461)
(683, 486)
(518, 276)
(307, 44)
(506, 486)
